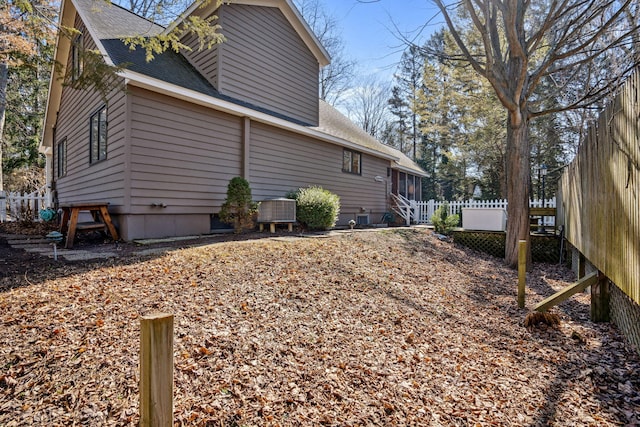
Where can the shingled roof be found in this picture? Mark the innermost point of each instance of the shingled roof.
(110, 21)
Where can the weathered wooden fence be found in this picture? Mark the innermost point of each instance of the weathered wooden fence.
(599, 192)
(421, 212)
(19, 206)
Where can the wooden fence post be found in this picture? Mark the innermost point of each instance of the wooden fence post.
(581, 265)
(600, 299)
(156, 370)
(522, 271)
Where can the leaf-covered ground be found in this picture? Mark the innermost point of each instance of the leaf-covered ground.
(386, 328)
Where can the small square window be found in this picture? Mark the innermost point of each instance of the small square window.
(61, 158)
(351, 162)
(98, 135)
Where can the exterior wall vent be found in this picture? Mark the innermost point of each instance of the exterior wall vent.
(277, 210)
(362, 219)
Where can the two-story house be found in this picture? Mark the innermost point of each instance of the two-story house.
(161, 146)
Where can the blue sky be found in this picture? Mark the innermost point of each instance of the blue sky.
(370, 30)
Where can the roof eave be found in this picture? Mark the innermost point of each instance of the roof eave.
(412, 171)
(307, 34)
(145, 82)
(63, 45)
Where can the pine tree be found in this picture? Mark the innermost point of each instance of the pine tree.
(405, 96)
(398, 107)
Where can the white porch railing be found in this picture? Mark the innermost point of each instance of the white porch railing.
(415, 212)
(23, 206)
(405, 208)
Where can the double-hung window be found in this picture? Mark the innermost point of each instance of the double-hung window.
(351, 162)
(98, 135)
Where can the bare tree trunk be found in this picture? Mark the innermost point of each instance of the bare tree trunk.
(4, 80)
(517, 165)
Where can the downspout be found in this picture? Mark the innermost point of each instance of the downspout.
(126, 185)
(50, 159)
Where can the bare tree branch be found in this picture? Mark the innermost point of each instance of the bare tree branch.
(522, 47)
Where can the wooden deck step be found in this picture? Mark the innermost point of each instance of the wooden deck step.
(566, 293)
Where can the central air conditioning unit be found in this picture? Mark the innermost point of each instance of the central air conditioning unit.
(277, 210)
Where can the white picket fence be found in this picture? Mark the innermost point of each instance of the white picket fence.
(22, 206)
(421, 212)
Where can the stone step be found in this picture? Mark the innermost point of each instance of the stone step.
(23, 241)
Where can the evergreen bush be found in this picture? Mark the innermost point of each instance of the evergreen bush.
(442, 221)
(316, 208)
(239, 209)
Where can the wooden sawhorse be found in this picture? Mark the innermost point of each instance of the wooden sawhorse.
(101, 220)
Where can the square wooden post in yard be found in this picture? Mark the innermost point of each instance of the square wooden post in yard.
(600, 299)
(156, 370)
(522, 271)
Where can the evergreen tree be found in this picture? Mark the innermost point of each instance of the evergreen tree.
(404, 100)
(23, 165)
(239, 209)
(26, 36)
(397, 129)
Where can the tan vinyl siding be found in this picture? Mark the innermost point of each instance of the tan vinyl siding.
(264, 62)
(205, 60)
(282, 161)
(182, 155)
(84, 181)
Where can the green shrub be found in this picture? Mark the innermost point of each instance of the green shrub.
(316, 208)
(442, 221)
(292, 194)
(239, 209)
